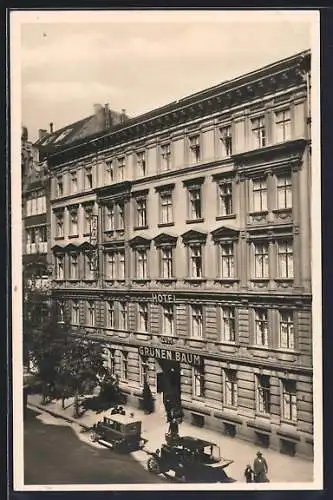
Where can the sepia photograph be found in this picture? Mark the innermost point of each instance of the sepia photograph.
(166, 258)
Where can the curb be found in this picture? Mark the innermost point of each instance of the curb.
(70, 420)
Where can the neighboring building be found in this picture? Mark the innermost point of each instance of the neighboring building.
(35, 196)
(181, 241)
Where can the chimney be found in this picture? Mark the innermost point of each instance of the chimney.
(108, 116)
(123, 117)
(42, 133)
(51, 128)
(97, 108)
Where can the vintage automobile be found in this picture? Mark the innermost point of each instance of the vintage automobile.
(122, 432)
(191, 459)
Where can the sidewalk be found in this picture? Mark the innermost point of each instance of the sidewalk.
(282, 468)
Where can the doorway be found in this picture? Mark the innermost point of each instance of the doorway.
(168, 384)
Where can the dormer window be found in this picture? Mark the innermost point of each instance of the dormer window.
(226, 141)
(195, 148)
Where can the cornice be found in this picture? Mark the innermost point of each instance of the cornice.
(268, 80)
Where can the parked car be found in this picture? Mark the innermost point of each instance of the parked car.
(191, 459)
(122, 432)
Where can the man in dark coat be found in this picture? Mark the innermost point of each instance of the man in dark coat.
(260, 469)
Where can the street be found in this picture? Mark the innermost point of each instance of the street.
(53, 454)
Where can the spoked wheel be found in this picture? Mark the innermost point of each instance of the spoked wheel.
(93, 436)
(153, 466)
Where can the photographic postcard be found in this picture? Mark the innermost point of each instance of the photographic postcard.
(166, 269)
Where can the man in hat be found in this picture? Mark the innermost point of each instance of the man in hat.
(260, 469)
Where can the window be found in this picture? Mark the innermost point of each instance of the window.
(141, 164)
(167, 320)
(226, 141)
(59, 225)
(60, 186)
(227, 260)
(198, 382)
(91, 314)
(285, 259)
(87, 219)
(110, 218)
(121, 219)
(74, 186)
(230, 388)
(110, 360)
(74, 267)
(73, 223)
(287, 339)
(289, 400)
(195, 203)
(263, 394)
(258, 132)
(111, 265)
(259, 195)
(122, 316)
(141, 210)
(41, 203)
(228, 324)
(124, 365)
(75, 312)
(61, 312)
(141, 263)
(166, 216)
(284, 191)
(121, 265)
(144, 369)
(225, 196)
(109, 172)
(282, 125)
(194, 149)
(121, 168)
(89, 261)
(166, 157)
(196, 321)
(261, 327)
(29, 207)
(110, 319)
(260, 260)
(88, 178)
(59, 267)
(143, 318)
(166, 262)
(195, 251)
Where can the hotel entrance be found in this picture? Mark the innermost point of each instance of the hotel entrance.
(167, 385)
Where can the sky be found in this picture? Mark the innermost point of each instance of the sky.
(141, 60)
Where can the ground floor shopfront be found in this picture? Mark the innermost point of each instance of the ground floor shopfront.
(262, 404)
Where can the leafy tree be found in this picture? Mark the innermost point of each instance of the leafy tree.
(80, 367)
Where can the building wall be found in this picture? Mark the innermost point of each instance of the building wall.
(264, 277)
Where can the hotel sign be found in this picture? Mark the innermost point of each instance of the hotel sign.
(162, 298)
(93, 230)
(170, 355)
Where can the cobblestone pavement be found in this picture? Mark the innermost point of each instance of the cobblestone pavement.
(282, 468)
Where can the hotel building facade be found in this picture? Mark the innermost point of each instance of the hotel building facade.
(181, 241)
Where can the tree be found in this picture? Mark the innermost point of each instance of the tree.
(80, 368)
(67, 364)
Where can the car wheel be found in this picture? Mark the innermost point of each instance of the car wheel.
(93, 436)
(153, 466)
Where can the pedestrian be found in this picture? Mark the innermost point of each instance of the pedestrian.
(173, 428)
(168, 409)
(260, 469)
(248, 473)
